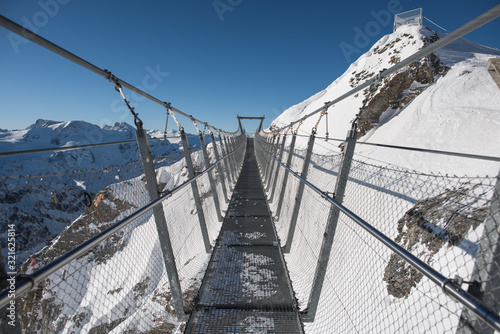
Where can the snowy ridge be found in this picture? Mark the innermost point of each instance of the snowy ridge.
(450, 112)
(53, 134)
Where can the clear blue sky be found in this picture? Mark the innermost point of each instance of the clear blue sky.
(211, 59)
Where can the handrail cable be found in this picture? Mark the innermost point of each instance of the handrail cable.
(416, 149)
(26, 283)
(76, 147)
(65, 148)
(449, 286)
(451, 37)
(20, 30)
(426, 150)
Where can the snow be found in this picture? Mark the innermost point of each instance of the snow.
(458, 112)
(455, 121)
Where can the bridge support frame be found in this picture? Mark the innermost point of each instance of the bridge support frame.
(298, 197)
(161, 224)
(333, 217)
(196, 192)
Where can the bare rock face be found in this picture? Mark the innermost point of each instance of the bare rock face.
(399, 89)
(433, 223)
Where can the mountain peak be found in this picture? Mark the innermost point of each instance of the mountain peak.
(432, 103)
(42, 123)
(119, 126)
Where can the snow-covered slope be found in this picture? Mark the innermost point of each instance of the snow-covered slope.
(58, 200)
(445, 102)
(42, 192)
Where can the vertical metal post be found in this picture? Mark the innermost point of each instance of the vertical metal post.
(270, 160)
(196, 192)
(230, 158)
(232, 144)
(285, 177)
(210, 177)
(274, 150)
(226, 162)
(219, 168)
(486, 274)
(277, 168)
(161, 223)
(269, 139)
(264, 157)
(298, 198)
(333, 217)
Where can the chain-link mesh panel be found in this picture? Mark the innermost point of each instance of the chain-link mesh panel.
(120, 285)
(306, 244)
(41, 207)
(367, 288)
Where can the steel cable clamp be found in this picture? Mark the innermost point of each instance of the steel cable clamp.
(114, 80)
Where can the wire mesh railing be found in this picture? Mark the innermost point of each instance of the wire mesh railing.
(367, 287)
(120, 283)
(41, 206)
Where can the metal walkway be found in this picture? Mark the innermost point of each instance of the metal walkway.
(246, 288)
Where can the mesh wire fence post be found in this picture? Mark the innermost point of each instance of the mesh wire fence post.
(196, 192)
(229, 160)
(298, 198)
(486, 276)
(285, 177)
(333, 217)
(229, 149)
(213, 188)
(269, 148)
(232, 147)
(226, 162)
(161, 224)
(270, 162)
(219, 169)
(275, 181)
(276, 147)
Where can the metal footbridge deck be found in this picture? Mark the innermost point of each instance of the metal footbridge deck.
(246, 288)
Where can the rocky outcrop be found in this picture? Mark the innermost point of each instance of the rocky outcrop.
(433, 223)
(397, 90)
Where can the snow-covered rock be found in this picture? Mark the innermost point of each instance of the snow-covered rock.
(446, 101)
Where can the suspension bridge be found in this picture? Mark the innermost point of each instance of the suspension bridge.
(258, 234)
